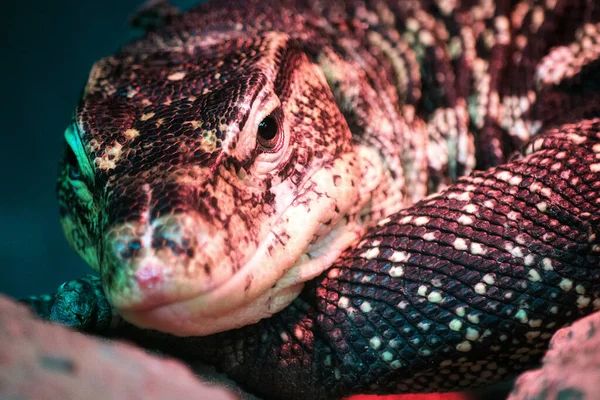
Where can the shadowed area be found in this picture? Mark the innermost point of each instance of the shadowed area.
(52, 48)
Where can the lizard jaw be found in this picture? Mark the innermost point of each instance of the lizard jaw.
(323, 220)
(182, 317)
(273, 277)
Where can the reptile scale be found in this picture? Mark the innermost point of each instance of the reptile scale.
(326, 198)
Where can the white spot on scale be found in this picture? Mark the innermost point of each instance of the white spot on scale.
(521, 315)
(132, 133)
(565, 284)
(285, 337)
(521, 238)
(480, 288)
(177, 76)
(343, 302)
(366, 307)
(419, 221)
(424, 352)
(515, 180)
(375, 343)
(371, 253)
(476, 248)
(465, 220)
(405, 220)
(387, 356)
(464, 346)
(535, 187)
(460, 311)
(429, 236)
(512, 215)
(535, 323)
(396, 272)
(583, 301)
(455, 325)
(383, 221)
(504, 176)
(147, 116)
(396, 364)
(470, 208)
(580, 289)
(434, 297)
(464, 196)
(472, 334)
(422, 291)
(399, 256)
(460, 244)
(595, 167)
(534, 275)
(489, 279)
(547, 192)
(424, 326)
(517, 252)
(529, 260)
(542, 206)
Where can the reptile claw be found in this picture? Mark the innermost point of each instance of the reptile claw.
(80, 304)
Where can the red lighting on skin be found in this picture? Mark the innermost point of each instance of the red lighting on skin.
(149, 277)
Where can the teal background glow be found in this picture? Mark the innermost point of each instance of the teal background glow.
(48, 48)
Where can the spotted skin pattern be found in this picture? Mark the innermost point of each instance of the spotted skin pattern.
(465, 276)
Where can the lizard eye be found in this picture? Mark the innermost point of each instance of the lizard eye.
(73, 165)
(269, 133)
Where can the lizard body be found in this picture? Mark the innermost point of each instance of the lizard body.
(375, 105)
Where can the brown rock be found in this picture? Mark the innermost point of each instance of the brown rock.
(43, 361)
(571, 367)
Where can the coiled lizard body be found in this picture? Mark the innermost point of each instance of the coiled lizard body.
(219, 167)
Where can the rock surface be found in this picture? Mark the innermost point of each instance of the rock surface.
(42, 361)
(571, 367)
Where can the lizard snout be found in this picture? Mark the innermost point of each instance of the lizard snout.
(151, 264)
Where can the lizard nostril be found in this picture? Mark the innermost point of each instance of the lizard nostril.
(130, 249)
(149, 277)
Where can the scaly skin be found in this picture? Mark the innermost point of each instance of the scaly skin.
(463, 288)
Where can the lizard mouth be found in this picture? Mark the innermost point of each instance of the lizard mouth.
(175, 295)
(193, 316)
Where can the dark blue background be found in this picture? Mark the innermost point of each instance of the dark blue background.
(47, 49)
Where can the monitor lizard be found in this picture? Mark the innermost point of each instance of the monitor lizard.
(325, 198)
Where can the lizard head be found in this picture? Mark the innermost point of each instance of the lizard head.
(207, 183)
